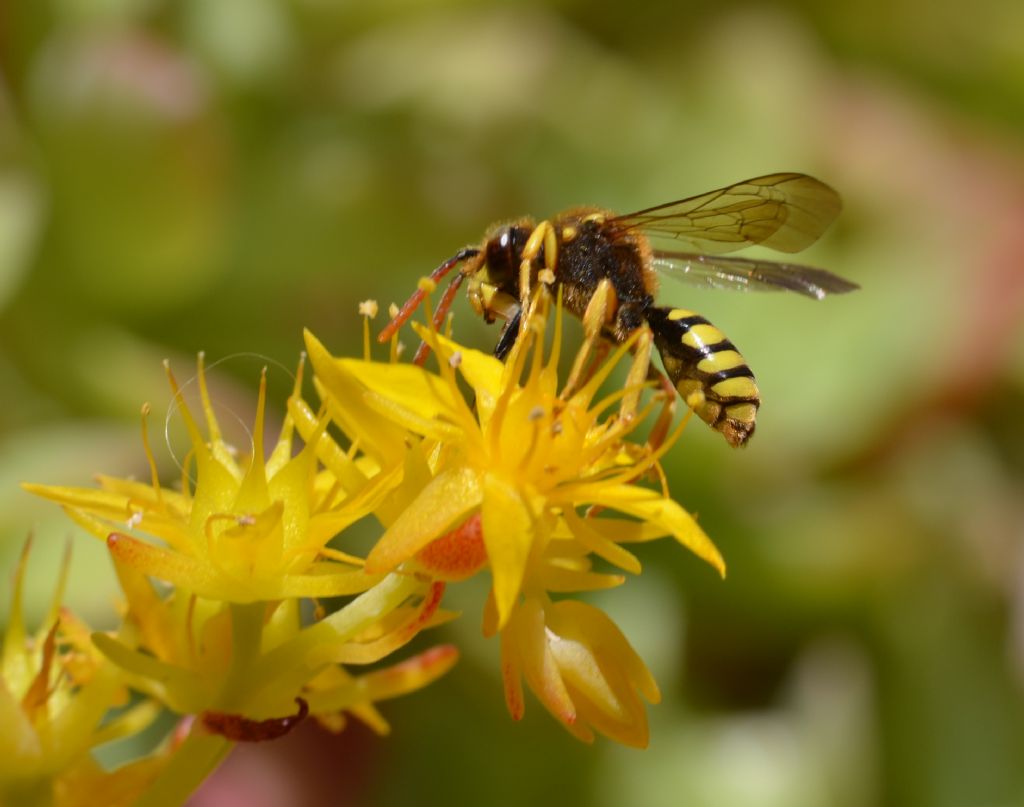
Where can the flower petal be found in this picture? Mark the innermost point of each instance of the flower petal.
(650, 506)
(598, 544)
(409, 387)
(446, 500)
(508, 532)
(344, 399)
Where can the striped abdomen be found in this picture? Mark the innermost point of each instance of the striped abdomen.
(707, 370)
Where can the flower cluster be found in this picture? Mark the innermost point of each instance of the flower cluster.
(56, 689)
(519, 482)
(477, 467)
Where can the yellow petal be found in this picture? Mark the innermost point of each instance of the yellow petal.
(529, 643)
(556, 578)
(508, 535)
(182, 690)
(481, 371)
(619, 530)
(598, 544)
(18, 740)
(408, 386)
(343, 394)
(610, 645)
(443, 502)
(337, 584)
(399, 679)
(651, 506)
(114, 506)
(432, 427)
(171, 567)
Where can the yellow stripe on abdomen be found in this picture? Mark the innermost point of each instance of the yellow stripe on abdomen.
(742, 387)
(725, 360)
(707, 371)
(702, 336)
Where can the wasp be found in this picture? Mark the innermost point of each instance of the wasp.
(588, 254)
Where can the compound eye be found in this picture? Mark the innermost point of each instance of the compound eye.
(502, 257)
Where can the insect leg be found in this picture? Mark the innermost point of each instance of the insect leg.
(508, 336)
(416, 298)
(708, 372)
(667, 393)
(543, 236)
(442, 309)
(600, 312)
(639, 371)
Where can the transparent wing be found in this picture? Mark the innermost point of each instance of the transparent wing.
(787, 212)
(747, 274)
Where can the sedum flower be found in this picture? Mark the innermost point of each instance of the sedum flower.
(580, 666)
(246, 531)
(225, 643)
(522, 460)
(56, 692)
(199, 656)
(522, 481)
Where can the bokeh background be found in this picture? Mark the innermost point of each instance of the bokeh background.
(199, 175)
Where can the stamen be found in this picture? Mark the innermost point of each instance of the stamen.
(342, 557)
(214, 518)
(149, 455)
(367, 310)
(352, 449)
(179, 399)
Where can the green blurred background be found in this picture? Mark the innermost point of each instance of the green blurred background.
(218, 174)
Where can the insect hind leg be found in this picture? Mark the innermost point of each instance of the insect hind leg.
(707, 371)
(600, 312)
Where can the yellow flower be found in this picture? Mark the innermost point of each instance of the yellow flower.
(226, 642)
(55, 694)
(581, 667)
(521, 481)
(248, 531)
(199, 656)
(524, 460)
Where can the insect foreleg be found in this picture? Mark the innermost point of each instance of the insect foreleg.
(543, 236)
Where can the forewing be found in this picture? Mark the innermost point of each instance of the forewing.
(747, 274)
(787, 212)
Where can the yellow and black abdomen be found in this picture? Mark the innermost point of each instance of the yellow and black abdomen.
(707, 370)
